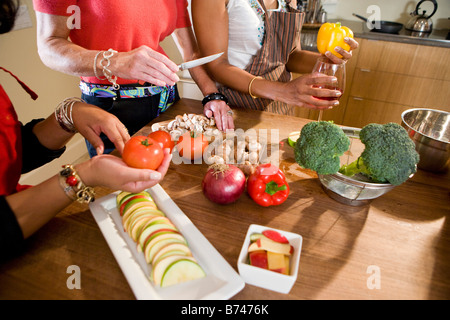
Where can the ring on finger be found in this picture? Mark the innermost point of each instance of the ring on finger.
(230, 112)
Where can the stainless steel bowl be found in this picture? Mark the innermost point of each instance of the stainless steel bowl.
(357, 190)
(430, 131)
(352, 191)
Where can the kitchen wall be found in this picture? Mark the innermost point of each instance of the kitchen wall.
(391, 10)
(18, 53)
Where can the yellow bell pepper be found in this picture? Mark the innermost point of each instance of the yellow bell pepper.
(330, 36)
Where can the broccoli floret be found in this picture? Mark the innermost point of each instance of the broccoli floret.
(389, 154)
(320, 145)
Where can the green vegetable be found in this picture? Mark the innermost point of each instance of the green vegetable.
(320, 145)
(389, 154)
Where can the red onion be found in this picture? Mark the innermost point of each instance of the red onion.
(223, 184)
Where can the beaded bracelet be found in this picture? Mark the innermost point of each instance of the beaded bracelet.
(63, 114)
(73, 187)
(214, 96)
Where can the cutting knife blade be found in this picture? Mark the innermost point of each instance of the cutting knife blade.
(199, 62)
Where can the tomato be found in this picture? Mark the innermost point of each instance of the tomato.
(143, 152)
(164, 138)
(191, 145)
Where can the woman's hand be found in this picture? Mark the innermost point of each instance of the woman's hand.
(302, 92)
(221, 112)
(144, 64)
(111, 172)
(346, 55)
(91, 121)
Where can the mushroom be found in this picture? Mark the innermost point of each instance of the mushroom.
(176, 133)
(172, 125)
(215, 159)
(253, 157)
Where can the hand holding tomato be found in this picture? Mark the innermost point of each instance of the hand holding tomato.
(191, 145)
(112, 172)
(143, 153)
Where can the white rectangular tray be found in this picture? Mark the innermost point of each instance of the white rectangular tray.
(221, 281)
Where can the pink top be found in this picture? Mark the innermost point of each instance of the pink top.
(119, 25)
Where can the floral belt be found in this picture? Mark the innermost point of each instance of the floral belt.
(131, 92)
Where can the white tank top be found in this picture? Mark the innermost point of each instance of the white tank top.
(245, 30)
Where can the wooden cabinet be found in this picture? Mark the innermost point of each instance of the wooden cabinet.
(386, 78)
(391, 77)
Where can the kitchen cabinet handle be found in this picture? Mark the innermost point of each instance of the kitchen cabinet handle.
(358, 98)
(365, 70)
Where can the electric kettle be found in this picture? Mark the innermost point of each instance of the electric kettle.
(421, 22)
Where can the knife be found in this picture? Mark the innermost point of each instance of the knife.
(199, 62)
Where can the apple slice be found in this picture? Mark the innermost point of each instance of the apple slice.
(182, 271)
(266, 244)
(139, 206)
(171, 249)
(153, 248)
(159, 235)
(124, 197)
(133, 201)
(140, 212)
(176, 269)
(120, 196)
(258, 259)
(276, 262)
(275, 236)
(137, 215)
(293, 137)
(288, 263)
(154, 228)
(255, 236)
(139, 224)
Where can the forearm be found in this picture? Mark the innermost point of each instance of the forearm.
(60, 54)
(239, 80)
(50, 134)
(64, 56)
(57, 52)
(34, 207)
(302, 61)
(203, 80)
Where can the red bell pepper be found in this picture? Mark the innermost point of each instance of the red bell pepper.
(267, 186)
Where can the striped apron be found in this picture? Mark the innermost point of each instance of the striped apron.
(282, 36)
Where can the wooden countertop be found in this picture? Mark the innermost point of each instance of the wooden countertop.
(404, 235)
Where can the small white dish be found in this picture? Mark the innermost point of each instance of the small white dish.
(265, 278)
